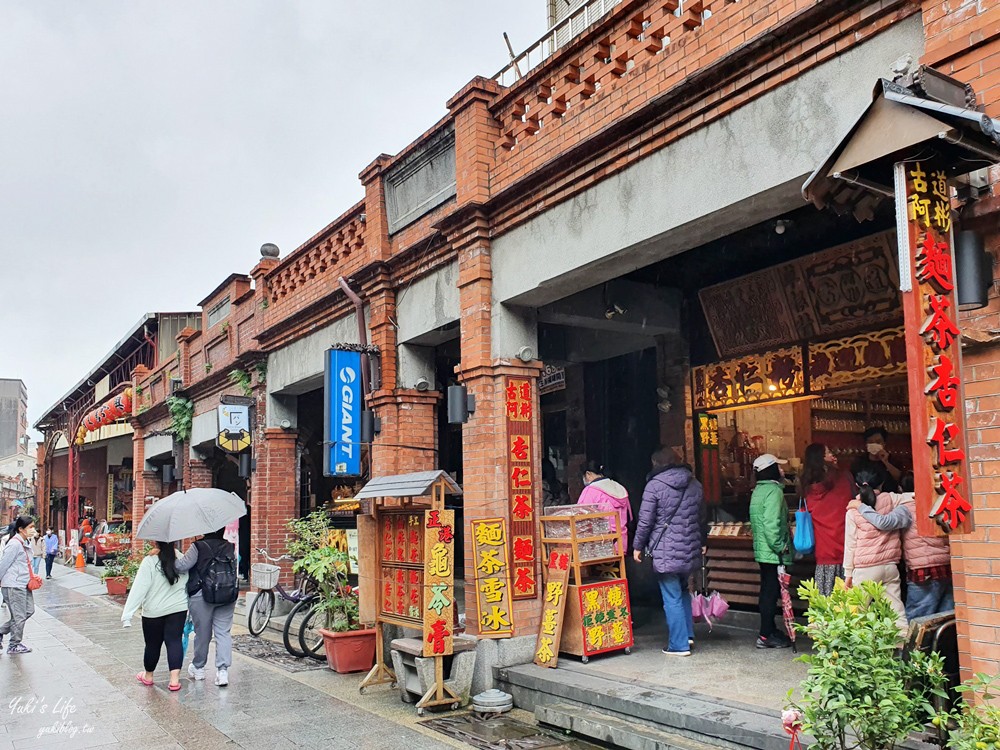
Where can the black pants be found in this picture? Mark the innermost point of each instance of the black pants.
(768, 602)
(49, 559)
(159, 630)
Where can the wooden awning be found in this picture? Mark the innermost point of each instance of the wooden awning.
(901, 123)
(417, 484)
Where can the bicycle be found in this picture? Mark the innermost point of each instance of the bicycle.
(265, 578)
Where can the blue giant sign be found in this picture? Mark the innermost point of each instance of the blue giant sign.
(342, 414)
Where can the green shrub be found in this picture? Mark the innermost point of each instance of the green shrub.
(860, 693)
(974, 723)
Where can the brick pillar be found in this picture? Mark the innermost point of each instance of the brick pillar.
(976, 556)
(484, 439)
(42, 502)
(199, 474)
(408, 441)
(274, 494)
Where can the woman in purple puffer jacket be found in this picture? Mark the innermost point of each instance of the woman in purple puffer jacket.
(672, 526)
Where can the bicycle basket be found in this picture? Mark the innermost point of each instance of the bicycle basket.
(264, 575)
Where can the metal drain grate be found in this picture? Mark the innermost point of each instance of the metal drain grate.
(504, 733)
(272, 653)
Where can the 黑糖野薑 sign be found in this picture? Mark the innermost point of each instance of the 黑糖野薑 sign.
(606, 616)
(940, 464)
(439, 582)
(519, 410)
(342, 413)
(493, 595)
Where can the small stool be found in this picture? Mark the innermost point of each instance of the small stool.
(415, 673)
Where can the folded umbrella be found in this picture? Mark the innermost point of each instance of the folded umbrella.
(190, 513)
(787, 614)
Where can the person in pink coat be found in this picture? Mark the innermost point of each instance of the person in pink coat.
(608, 496)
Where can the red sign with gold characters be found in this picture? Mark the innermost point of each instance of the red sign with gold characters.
(606, 616)
(439, 582)
(402, 567)
(519, 408)
(940, 463)
(493, 594)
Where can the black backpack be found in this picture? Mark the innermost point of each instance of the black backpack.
(216, 573)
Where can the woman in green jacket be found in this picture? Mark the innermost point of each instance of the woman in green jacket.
(772, 543)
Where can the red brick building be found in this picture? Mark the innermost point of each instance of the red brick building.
(570, 211)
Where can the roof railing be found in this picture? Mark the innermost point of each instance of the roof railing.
(557, 37)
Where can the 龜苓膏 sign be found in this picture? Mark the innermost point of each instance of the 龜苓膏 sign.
(439, 582)
(930, 308)
(343, 399)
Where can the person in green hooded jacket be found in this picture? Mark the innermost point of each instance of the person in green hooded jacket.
(772, 543)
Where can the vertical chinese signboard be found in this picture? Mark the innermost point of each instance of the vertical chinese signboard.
(439, 581)
(930, 309)
(402, 568)
(553, 609)
(493, 594)
(711, 469)
(607, 620)
(519, 409)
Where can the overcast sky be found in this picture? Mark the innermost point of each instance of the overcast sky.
(148, 149)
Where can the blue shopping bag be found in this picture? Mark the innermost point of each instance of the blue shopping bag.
(188, 630)
(805, 536)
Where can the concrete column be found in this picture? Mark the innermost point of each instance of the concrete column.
(274, 494)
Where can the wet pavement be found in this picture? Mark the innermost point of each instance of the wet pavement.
(78, 690)
(724, 663)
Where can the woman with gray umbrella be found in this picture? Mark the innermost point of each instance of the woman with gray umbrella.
(213, 586)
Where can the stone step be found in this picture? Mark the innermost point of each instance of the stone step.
(615, 730)
(695, 717)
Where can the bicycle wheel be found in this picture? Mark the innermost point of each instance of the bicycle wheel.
(260, 612)
(293, 623)
(310, 639)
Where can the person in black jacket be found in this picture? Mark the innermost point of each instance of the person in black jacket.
(209, 619)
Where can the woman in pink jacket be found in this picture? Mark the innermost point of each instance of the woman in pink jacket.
(928, 558)
(608, 496)
(869, 553)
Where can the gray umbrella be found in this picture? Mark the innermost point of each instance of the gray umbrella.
(190, 513)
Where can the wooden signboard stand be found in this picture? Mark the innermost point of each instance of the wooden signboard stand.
(414, 554)
(598, 616)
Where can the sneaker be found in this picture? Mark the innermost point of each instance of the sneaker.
(774, 641)
(48, 578)
(20, 648)
(668, 652)
(222, 677)
(194, 673)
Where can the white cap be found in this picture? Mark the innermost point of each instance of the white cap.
(766, 459)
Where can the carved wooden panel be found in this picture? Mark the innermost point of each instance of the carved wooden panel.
(834, 292)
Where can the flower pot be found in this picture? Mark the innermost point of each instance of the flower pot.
(117, 585)
(353, 651)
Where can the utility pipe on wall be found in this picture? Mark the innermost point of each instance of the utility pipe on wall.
(359, 308)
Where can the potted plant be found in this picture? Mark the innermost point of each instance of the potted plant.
(860, 694)
(120, 570)
(349, 646)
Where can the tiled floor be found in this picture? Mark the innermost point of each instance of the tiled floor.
(78, 690)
